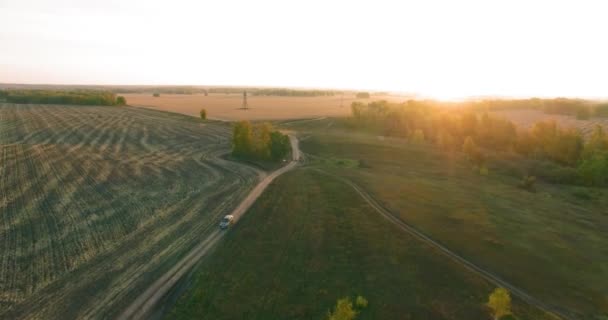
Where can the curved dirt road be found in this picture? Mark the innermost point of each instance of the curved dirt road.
(145, 303)
(489, 276)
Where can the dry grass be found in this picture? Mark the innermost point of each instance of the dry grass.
(527, 118)
(228, 106)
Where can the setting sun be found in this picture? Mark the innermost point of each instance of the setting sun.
(445, 49)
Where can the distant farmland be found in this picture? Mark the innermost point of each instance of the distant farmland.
(227, 106)
(96, 202)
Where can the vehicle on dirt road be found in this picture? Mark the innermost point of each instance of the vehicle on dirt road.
(227, 221)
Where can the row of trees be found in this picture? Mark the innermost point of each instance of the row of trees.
(472, 131)
(77, 97)
(259, 142)
(580, 108)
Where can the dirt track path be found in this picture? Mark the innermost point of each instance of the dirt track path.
(145, 303)
(497, 281)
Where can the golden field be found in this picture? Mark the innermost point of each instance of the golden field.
(228, 106)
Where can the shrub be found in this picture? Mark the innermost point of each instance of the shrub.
(203, 114)
(554, 173)
(499, 302)
(343, 310)
(361, 302)
(528, 183)
(121, 101)
(156, 94)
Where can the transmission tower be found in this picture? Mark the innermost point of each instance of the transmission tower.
(245, 106)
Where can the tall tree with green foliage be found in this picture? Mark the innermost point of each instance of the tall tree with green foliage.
(242, 139)
(259, 142)
(121, 101)
(500, 303)
(279, 145)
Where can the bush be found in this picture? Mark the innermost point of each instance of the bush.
(554, 173)
(203, 114)
(156, 94)
(121, 101)
(343, 310)
(528, 183)
(361, 302)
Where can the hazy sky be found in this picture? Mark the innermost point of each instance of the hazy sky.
(442, 48)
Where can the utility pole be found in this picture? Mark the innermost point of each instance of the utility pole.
(245, 106)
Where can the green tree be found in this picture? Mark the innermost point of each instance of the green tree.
(500, 303)
(242, 139)
(203, 114)
(279, 145)
(343, 310)
(121, 101)
(261, 140)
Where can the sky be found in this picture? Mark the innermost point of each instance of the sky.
(444, 49)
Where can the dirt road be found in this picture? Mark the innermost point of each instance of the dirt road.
(145, 303)
(497, 281)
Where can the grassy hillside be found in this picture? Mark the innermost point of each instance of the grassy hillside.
(95, 202)
(552, 243)
(310, 240)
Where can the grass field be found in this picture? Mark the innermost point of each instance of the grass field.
(96, 202)
(553, 243)
(309, 240)
(228, 106)
(527, 118)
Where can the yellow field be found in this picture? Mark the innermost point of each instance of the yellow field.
(228, 106)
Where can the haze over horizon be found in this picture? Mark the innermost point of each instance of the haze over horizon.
(434, 48)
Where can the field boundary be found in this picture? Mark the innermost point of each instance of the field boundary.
(494, 279)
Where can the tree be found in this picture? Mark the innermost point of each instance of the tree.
(362, 95)
(242, 138)
(203, 114)
(279, 145)
(156, 94)
(121, 101)
(500, 303)
(343, 310)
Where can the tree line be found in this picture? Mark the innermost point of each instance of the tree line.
(580, 108)
(259, 142)
(76, 97)
(478, 133)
